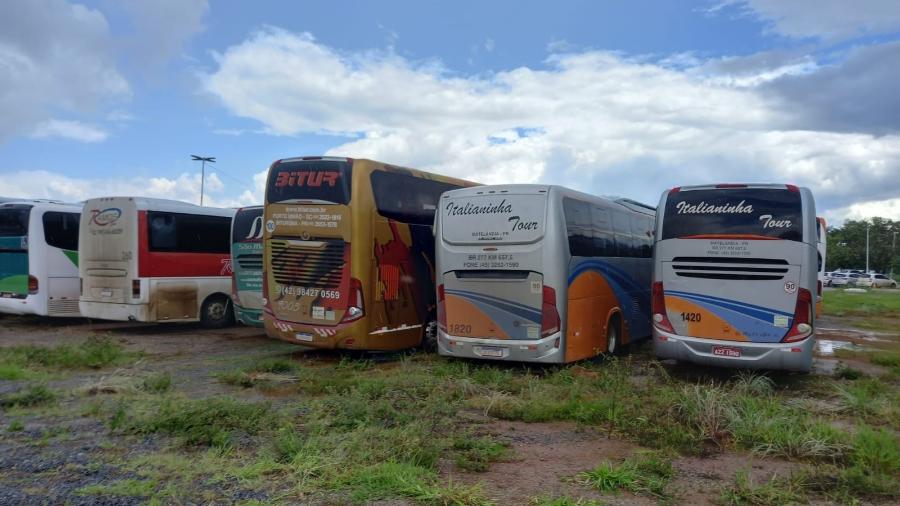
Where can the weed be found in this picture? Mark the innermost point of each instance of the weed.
(34, 395)
(206, 422)
(157, 383)
(476, 454)
(646, 473)
(848, 373)
(124, 488)
(15, 426)
(93, 353)
(754, 383)
(563, 501)
(776, 491)
(392, 479)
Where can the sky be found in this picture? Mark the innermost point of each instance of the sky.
(616, 97)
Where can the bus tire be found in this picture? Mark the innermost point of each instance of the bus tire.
(612, 335)
(429, 337)
(216, 312)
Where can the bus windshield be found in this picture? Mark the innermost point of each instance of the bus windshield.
(317, 180)
(247, 225)
(748, 212)
(496, 218)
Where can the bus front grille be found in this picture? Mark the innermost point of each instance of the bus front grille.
(311, 264)
(250, 261)
(734, 268)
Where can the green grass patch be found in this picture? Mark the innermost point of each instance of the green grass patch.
(563, 501)
(476, 454)
(878, 303)
(647, 473)
(30, 361)
(157, 383)
(392, 479)
(213, 422)
(15, 426)
(744, 491)
(35, 395)
(121, 488)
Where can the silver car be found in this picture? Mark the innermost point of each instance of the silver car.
(877, 281)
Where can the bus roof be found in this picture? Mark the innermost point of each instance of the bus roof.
(735, 185)
(534, 189)
(41, 204)
(168, 205)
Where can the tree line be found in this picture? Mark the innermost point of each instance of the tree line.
(847, 245)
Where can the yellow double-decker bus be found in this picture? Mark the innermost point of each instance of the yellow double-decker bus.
(349, 253)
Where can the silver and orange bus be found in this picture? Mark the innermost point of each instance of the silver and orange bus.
(735, 276)
(348, 253)
(538, 273)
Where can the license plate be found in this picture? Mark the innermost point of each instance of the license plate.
(301, 336)
(106, 292)
(6, 295)
(725, 351)
(491, 352)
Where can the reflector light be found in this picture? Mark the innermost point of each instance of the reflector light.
(441, 312)
(32, 285)
(802, 326)
(658, 303)
(355, 306)
(731, 185)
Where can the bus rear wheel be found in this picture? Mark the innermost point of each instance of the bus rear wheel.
(612, 336)
(216, 312)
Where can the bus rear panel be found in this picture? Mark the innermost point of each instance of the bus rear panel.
(246, 262)
(735, 276)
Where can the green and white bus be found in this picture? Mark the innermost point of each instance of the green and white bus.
(246, 265)
(39, 258)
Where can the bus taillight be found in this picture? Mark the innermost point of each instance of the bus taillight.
(355, 306)
(549, 314)
(32, 285)
(135, 288)
(660, 318)
(441, 311)
(802, 327)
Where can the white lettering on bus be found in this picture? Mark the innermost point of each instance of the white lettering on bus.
(704, 208)
(770, 223)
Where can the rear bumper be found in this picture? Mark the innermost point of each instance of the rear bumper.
(351, 336)
(114, 311)
(783, 356)
(532, 350)
(10, 305)
(247, 316)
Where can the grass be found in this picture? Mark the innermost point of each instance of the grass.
(157, 383)
(30, 361)
(215, 421)
(121, 488)
(35, 395)
(647, 473)
(875, 309)
(776, 491)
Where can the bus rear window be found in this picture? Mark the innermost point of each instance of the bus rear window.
(749, 212)
(319, 180)
(14, 222)
(248, 225)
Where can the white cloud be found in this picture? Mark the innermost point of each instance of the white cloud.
(594, 120)
(161, 27)
(885, 208)
(53, 55)
(185, 187)
(830, 20)
(73, 130)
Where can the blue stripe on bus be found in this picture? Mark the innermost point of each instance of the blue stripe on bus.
(616, 277)
(742, 307)
(526, 312)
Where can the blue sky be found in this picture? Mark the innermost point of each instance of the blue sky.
(610, 97)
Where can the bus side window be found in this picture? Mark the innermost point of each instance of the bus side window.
(641, 233)
(625, 246)
(61, 230)
(405, 198)
(162, 231)
(602, 231)
(578, 227)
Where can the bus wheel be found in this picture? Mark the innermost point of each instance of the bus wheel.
(612, 335)
(216, 312)
(429, 339)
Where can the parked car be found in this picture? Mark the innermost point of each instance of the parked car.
(877, 281)
(839, 279)
(855, 278)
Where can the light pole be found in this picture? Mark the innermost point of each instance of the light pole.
(867, 247)
(893, 257)
(212, 159)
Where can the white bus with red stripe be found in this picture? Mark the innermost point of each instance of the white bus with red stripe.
(155, 260)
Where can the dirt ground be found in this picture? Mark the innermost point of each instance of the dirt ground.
(543, 457)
